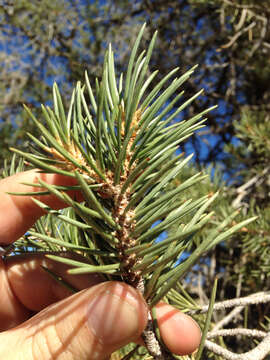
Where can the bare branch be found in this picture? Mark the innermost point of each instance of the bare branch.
(248, 187)
(258, 353)
(257, 298)
(242, 20)
(228, 318)
(238, 331)
(238, 34)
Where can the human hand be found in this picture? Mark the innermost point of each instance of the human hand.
(41, 320)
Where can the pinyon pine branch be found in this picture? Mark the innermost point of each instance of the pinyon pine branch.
(119, 141)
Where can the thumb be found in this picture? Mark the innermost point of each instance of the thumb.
(88, 325)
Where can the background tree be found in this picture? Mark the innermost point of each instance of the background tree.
(45, 41)
(230, 40)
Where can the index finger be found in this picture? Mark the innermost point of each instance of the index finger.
(19, 213)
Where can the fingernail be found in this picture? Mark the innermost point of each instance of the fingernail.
(111, 319)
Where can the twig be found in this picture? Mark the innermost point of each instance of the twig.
(243, 6)
(257, 298)
(242, 20)
(237, 35)
(246, 188)
(260, 40)
(266, 44)
(228, 318)
(154, 347)
(150, 340)
(238, 331)
(258, 353)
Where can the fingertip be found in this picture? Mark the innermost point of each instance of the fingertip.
(19, 213)
(180, 333)
(90, 324)
(126, 313)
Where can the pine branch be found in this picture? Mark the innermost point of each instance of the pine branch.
(120, 146)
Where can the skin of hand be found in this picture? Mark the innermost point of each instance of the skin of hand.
(42, 320)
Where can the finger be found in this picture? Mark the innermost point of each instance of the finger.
(88, 325)
(18, 213)
(12, 312)
(26, 283)
(35, 289)
(180, 333)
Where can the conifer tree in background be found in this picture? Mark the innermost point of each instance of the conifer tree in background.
(121, 147)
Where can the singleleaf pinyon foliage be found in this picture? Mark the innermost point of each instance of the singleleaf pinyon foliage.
(119, 142)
